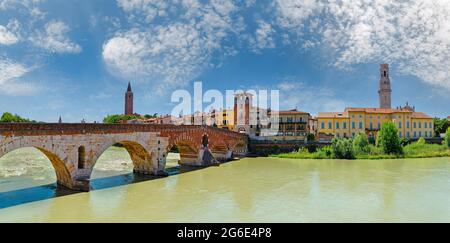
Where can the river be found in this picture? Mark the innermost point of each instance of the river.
(248, 190)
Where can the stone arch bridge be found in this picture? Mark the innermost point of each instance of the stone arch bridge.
(73, 149)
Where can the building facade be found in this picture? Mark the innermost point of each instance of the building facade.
(353, 121)
(223, 119)
(349, 123)
(293, 125)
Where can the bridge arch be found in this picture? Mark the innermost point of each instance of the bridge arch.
(187, 148)
(142, 157)
(62, 172)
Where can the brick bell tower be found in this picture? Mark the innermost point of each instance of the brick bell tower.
(129, 101)
(385, 91)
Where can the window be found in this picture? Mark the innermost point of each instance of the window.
(345, 125)
(415, 134)
(330, 125)
(385, 74)
(360, 125)
(289, 119)
(81, 157)
(379, 126)
(415, 125)
(426, 125)
(431, 125)
(407, 124)
(337, 125)
(323, 125)
(408, 134)
(400, 125)
(353, 125)
(401, 134)
(353, 134)
(371, 126)
(420, 124)
(420, 134)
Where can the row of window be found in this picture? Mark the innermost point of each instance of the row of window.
(291, 120)
(292, 127)
(371, 125)
(408, 135)
(379, 117)
(291, 134)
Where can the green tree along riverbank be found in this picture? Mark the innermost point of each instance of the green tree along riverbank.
(116, 119)
(11, 118)
(388, 146)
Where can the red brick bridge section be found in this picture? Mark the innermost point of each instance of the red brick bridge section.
(73, 149)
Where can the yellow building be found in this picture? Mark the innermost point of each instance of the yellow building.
(352, 121)
(223, 119)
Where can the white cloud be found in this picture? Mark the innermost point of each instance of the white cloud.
(178, 48)
(54, 38)
(10, 80)
(414, 35)
(7, 37)
(264, 37)
(148, 8)
(10, 34)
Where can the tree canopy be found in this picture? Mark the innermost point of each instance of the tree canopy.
(441, 125)
(389, 140)
(8, 117)
(447, 137)
(116, 119)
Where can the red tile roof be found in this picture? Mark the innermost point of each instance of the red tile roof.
(378, 110)
(417, 115)
(332, 115)
(292, 112)
(421, 115)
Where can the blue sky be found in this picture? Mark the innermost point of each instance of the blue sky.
(74, 58)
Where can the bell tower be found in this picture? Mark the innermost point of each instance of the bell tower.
(385, 91)
(129, 101)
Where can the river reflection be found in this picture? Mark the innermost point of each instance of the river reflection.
(265, 190)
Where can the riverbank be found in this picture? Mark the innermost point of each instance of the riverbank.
(412, 151)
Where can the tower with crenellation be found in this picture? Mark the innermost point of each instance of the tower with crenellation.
(385, 90)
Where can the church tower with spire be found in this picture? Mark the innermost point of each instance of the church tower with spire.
(129, 101)
(385, 91)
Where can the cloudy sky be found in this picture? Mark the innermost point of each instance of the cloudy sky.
(74, 57)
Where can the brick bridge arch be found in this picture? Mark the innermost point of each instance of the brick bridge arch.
(74, 149)
(62, 169)
(221, 144)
